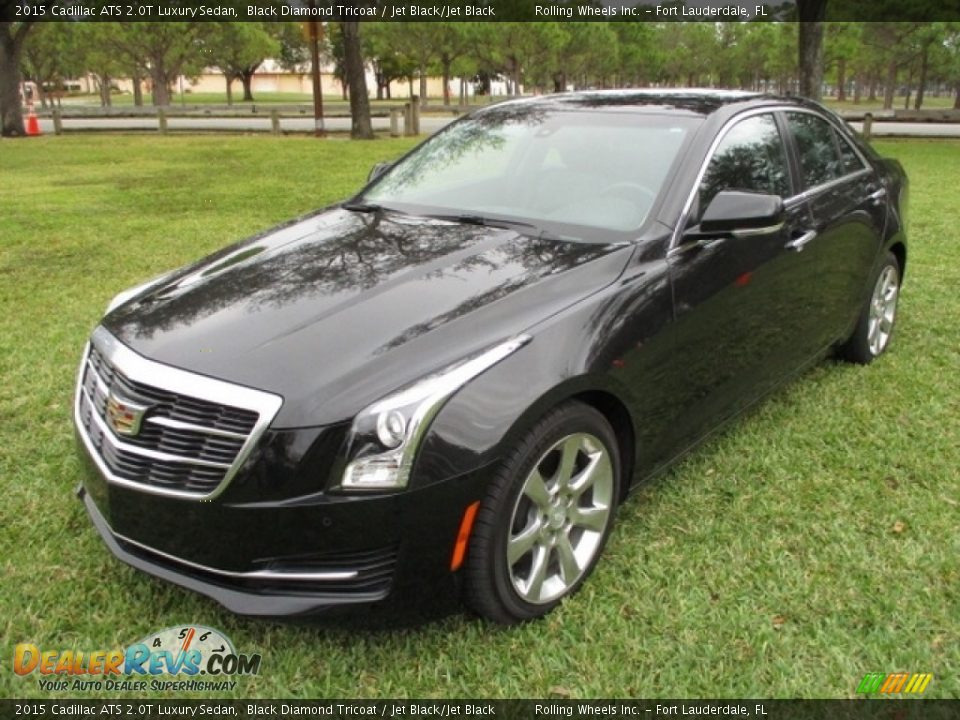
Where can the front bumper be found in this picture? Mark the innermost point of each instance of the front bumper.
(293, 557)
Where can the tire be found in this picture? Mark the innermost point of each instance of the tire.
(546, 517)
(874, 329)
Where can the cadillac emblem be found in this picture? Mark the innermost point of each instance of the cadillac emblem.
(124, 416)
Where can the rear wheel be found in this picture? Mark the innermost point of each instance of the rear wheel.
(874, 329)
(546, 517)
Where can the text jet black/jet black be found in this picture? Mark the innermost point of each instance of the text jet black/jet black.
(452, 380)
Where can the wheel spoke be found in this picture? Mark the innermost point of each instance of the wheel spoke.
(538, 573)
(536, 489)
(598, 469)
(569, 567)
(591, 518)
(521, 544)
(571, 449)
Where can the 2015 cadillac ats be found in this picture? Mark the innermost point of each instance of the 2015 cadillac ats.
(449, 382)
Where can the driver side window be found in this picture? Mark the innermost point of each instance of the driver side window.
(751, 158)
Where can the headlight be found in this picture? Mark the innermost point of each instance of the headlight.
(122, 297)
(386, 435)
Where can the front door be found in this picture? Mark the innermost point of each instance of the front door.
(743, 305)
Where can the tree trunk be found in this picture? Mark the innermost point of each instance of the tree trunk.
(105, 99)
(956, 97)
(423, 87)
(841, 80)
(410, 88)
(891, 86)
(360, 126)
(41, 95)
(246, 77)
(137, 90)
(11, 45)
(810, 47)
(229, 81)
(161, 87)
(446, 80)
(921, 84)
(859, 82)
(872, 90)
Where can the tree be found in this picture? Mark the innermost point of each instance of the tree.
(166, 49)
(892, 46)
(641, 54)
(451, 44)
(97, 54)
(12, 37)
(385, 47)
(417, 41)
(810, 47)
(293, 52)
(238, 49)
(841, 46)
(45, 56)
(360, 125)
(951, 62)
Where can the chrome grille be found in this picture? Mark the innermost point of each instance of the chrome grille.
(189, 443)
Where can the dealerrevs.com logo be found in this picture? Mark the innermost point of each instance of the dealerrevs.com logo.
(184, 653)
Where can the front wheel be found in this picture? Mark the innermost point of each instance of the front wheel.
(546, 517)
(874, 329)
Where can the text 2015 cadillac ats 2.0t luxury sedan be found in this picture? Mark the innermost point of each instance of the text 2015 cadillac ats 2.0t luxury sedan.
(448, 383)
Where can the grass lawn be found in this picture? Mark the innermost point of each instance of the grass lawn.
(814, 541)
(930, 102)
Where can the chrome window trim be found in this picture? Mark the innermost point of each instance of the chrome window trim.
(249, 575)
(675, 247)
(165, 377)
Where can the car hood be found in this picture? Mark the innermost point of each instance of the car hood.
(338, 309)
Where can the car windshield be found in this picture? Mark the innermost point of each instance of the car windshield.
(552, 168)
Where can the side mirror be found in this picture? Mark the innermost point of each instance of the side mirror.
(743, 213)
(377, 170)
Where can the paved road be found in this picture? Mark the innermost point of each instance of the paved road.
(428, 123)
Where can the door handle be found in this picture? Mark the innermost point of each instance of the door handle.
(798, 243)
(877, 196)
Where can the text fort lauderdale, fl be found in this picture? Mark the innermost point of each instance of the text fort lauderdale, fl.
(660, 11)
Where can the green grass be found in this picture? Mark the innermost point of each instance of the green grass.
(930, 102)
(814, 541)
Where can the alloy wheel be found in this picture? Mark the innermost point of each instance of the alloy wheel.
(560, 518)
(883, 310)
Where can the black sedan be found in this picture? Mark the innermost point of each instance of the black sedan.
(448, 383)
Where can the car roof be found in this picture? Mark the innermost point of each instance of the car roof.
(689, 100)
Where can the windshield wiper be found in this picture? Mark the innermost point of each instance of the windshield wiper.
(525, 228)
(484, 221)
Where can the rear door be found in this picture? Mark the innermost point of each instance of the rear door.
(847, 203)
